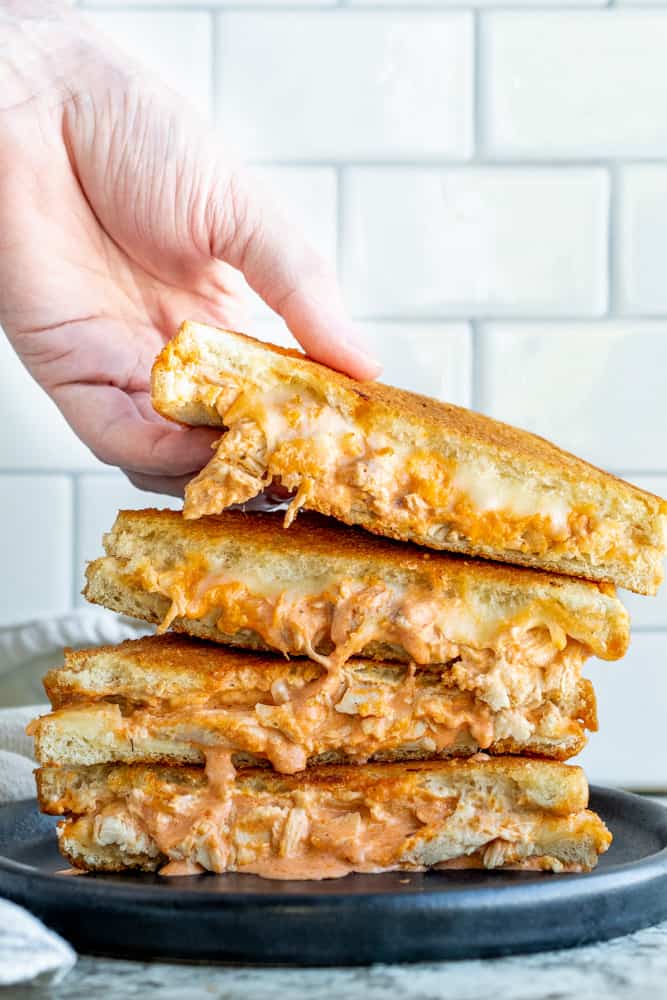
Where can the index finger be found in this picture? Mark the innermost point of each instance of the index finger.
(251, 234)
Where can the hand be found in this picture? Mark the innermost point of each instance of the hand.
(120, 216)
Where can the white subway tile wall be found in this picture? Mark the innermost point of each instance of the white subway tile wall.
(475, 241)
(640, 249)
(597, 389)
(309, 197)
(479, 179)
(631, 696)
(346, 85)
(34, 433)
(581, 85)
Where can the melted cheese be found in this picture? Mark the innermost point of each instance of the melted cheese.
(360, 721)
(487, 491)
(512, 677)
(292, 435)
(284, 414)
(333, 619)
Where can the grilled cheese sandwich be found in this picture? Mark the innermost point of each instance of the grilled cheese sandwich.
(400, 465)
(325, 822)
(169, 699)
(334, 594)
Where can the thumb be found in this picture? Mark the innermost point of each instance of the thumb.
(291, 277)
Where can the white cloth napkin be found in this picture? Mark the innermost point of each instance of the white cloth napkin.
(82, 627)
(16, 761)
(28, 949)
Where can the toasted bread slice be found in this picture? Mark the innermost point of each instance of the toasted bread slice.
(328, 821)
(401, 465)
(169, 698)
(331, 593)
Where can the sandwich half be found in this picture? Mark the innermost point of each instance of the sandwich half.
(327, 821)
(171, 699)
(400, 465)
(331, 593)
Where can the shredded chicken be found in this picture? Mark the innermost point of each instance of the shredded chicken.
(332, 625)
(328, 831)
(308, 446)
(235, 474)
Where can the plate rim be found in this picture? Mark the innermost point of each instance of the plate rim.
(333, 926)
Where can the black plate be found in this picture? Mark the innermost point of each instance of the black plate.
(396, 917)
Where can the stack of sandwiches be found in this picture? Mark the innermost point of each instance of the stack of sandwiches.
(320, 700)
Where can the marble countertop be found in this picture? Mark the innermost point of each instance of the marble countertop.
(627, 968)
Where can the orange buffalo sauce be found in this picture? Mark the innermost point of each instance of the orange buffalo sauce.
(326, 828)
(293, 435)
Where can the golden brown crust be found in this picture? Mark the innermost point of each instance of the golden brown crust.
(190, 370)
(590, 612)
(319, 536)
(173, 654)
(442, 417)
(639, 577)
(107, 858)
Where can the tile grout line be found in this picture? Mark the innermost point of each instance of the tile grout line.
(569, 164)
(13, 472)
(523, 319)
(47, 471)
(600, 320)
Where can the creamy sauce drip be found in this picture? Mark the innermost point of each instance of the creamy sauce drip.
(210, 810)
(176, 869)
(509, 683)
(292, 723)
